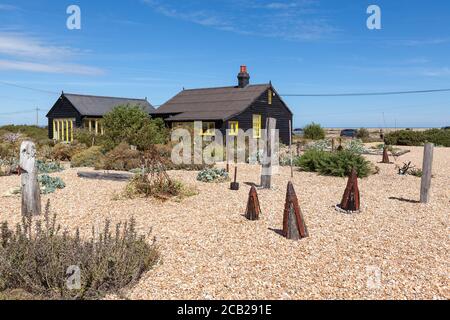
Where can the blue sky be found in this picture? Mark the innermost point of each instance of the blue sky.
(154, 48)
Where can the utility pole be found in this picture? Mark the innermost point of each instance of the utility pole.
(37, 116)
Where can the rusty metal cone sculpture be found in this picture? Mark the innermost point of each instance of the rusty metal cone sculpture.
(385, 156)
(351, 199)
(294, 227)
(253, 207)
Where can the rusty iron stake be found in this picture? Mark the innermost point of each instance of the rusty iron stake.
(253, 207)
(385, 156)
(235, 185)
(294, 227)
(351, 199)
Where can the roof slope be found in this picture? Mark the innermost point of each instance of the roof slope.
(212, 103)
(99, 106)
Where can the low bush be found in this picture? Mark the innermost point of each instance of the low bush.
(439, 137)
(35, 133)
(65, 151)
(50, 184)
(87, 158)
(158, 186)
(363, 134)
(213, 175)
(121, 158)
(356, 146)
(314, 131)
(41, 260)
(337, 164)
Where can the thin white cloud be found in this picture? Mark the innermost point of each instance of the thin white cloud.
(296, 20)
(8, 7)
(15, 44)
(62, 68)
(22, 52)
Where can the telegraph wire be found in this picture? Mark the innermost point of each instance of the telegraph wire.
(387, 93)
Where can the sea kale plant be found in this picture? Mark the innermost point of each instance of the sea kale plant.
(213, 175)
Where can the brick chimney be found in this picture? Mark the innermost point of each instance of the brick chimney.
(243, 77)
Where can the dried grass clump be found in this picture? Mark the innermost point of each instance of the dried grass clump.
(87, 158)
(36, 257)
(65, 152)
(121, 158)
(153, 181)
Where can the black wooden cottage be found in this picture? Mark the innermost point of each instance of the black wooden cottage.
(76, 111)
(244, 106)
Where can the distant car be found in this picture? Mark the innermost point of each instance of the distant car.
(298, 132)
(349, 133)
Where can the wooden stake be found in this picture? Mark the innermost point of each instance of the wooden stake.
(294, 227)
(351, 199)
(427, 173)
(266, 175)
(290, 149)
(31, 193)
(385, 156)
(253, 207)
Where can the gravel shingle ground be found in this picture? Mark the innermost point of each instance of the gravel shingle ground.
(395, 249)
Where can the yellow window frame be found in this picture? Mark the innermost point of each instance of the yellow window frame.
(269, 96)
(209, 128)
(234, 128)
(257, 121)
(63, 129)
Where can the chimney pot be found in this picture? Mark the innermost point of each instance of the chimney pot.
(243, 77)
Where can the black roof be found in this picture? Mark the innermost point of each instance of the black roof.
(211, 103)
(98, 106)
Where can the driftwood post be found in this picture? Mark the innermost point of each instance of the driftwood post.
(253, 207)
(385, 155)
(294, 227)
(351, 199)
(235, 185)
(298, 149)
(427, 173)
(31, 194)
(266, 175)
(290, 149)
(333, 144)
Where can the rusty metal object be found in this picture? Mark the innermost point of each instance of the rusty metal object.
(351, 199)
(385, 156)
(235, 185)
(294, 227)
(253, 207)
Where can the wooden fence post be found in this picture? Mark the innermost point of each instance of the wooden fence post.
(266, 175)
(31, 193)
(427, 173)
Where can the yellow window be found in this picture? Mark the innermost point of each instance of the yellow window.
(257, 119)
(209, 128)
(63, 129)
(234, 128)
(269, 96)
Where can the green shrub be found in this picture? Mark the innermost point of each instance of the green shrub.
(337, 164)
(50, 184)
(440, 137)
(405, 138)
(87, 158)
(37, 258)
(131, 124)
(121, 158)
(314, 131)
(213, 175)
